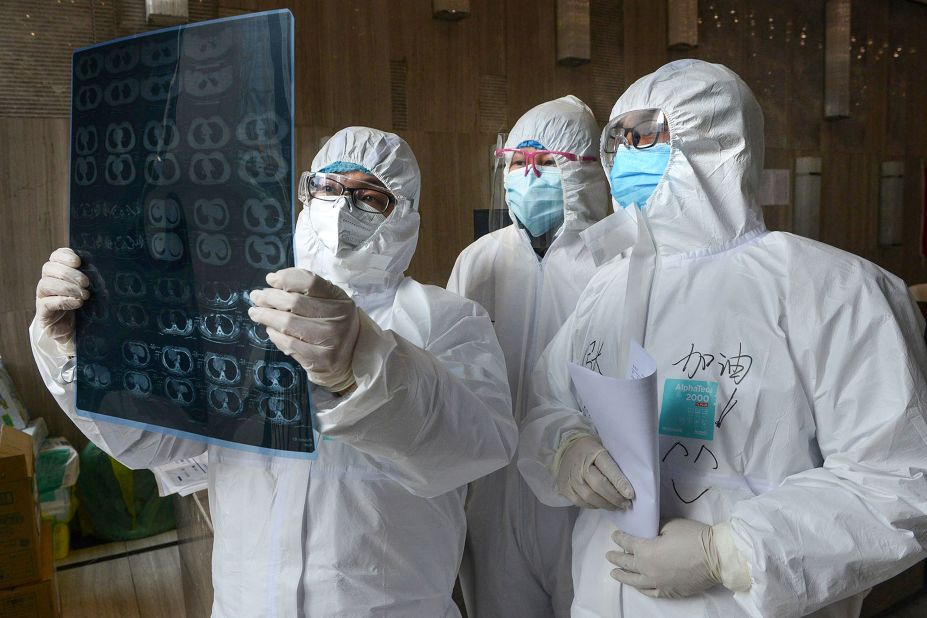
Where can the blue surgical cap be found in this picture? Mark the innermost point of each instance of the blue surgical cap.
(530, 143)
(342, 167)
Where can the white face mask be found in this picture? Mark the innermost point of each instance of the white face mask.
(339, 226)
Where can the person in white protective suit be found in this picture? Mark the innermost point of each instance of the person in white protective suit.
(805, 483)
(418, 408)
(517, 557)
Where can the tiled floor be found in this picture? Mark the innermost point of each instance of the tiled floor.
(916, 607)
(142, 579)
(133, 579)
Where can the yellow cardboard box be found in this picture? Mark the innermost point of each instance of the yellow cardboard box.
(39, 599)
(19, 516)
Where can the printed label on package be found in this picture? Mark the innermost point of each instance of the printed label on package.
(688, 409)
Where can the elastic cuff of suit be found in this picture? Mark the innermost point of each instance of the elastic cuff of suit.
(734, 570)
(566, 441)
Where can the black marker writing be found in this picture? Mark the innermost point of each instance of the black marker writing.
(728, 408)
(591, 358)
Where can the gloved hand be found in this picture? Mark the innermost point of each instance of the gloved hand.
(685, 559)
(60, 291)
(312, 320)
(590, 478)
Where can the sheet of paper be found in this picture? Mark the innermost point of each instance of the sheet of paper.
(625, 414)
(184, 476)
(640, 364)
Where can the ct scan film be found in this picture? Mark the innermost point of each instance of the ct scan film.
(181, 202)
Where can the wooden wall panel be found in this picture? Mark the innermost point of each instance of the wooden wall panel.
(850, 184)
(909, 21)
(806, 70)
(779, 216)
(33, 201)
(33, 166)
(608, 70)
(770, 75)
(644, 37)
(726, 21)
(539, 55)
(491, 41)
(352, 40)
(867, 83)
(450, 192)
(777, 48)
(463, 81)
(442, 88)
(897, 86)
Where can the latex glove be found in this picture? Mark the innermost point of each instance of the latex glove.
(60, 291)
(590, 478)
(312, 320)
(685, 559)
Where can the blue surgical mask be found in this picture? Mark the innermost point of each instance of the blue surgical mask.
(536, 201)
(636, 173)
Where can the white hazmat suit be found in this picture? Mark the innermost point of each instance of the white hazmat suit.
(517, 561)
(815, 446)
(375, 526)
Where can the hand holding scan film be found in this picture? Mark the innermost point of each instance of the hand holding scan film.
(60, 291)
(313, 321)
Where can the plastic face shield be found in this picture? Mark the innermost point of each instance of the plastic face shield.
(498, 210)
(639, 129)
(504, 160)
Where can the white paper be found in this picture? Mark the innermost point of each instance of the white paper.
(184, 476)
(640, 364)
(625, 414)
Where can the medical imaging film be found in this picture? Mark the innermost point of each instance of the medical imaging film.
(181, 202)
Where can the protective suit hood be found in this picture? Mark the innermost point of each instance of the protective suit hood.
(808, 444)
(522, 567)
(706, 200)
(376, 267)
(567, 124)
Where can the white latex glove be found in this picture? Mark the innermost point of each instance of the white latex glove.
(685, 559)
(589, 477)
(312, 320)
(60, 291)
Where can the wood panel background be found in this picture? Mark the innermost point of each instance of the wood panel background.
(448, 87)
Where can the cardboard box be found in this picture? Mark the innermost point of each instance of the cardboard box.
(19, 517)
(39, 599)
(30, 601)
(14, 443)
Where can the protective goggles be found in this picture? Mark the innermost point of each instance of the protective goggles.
(329, 187)
(639, 129)
(528, 157)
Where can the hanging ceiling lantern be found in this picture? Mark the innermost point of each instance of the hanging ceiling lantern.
(681, 24)
(167, 12)
(574, 44)
(450, 10)
(837, 59)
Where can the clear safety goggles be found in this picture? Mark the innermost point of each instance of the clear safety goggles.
(527, 158)
(639, 129)
(329, 187)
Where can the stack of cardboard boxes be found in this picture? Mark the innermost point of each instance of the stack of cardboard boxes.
(27, 572)
(56, 471)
